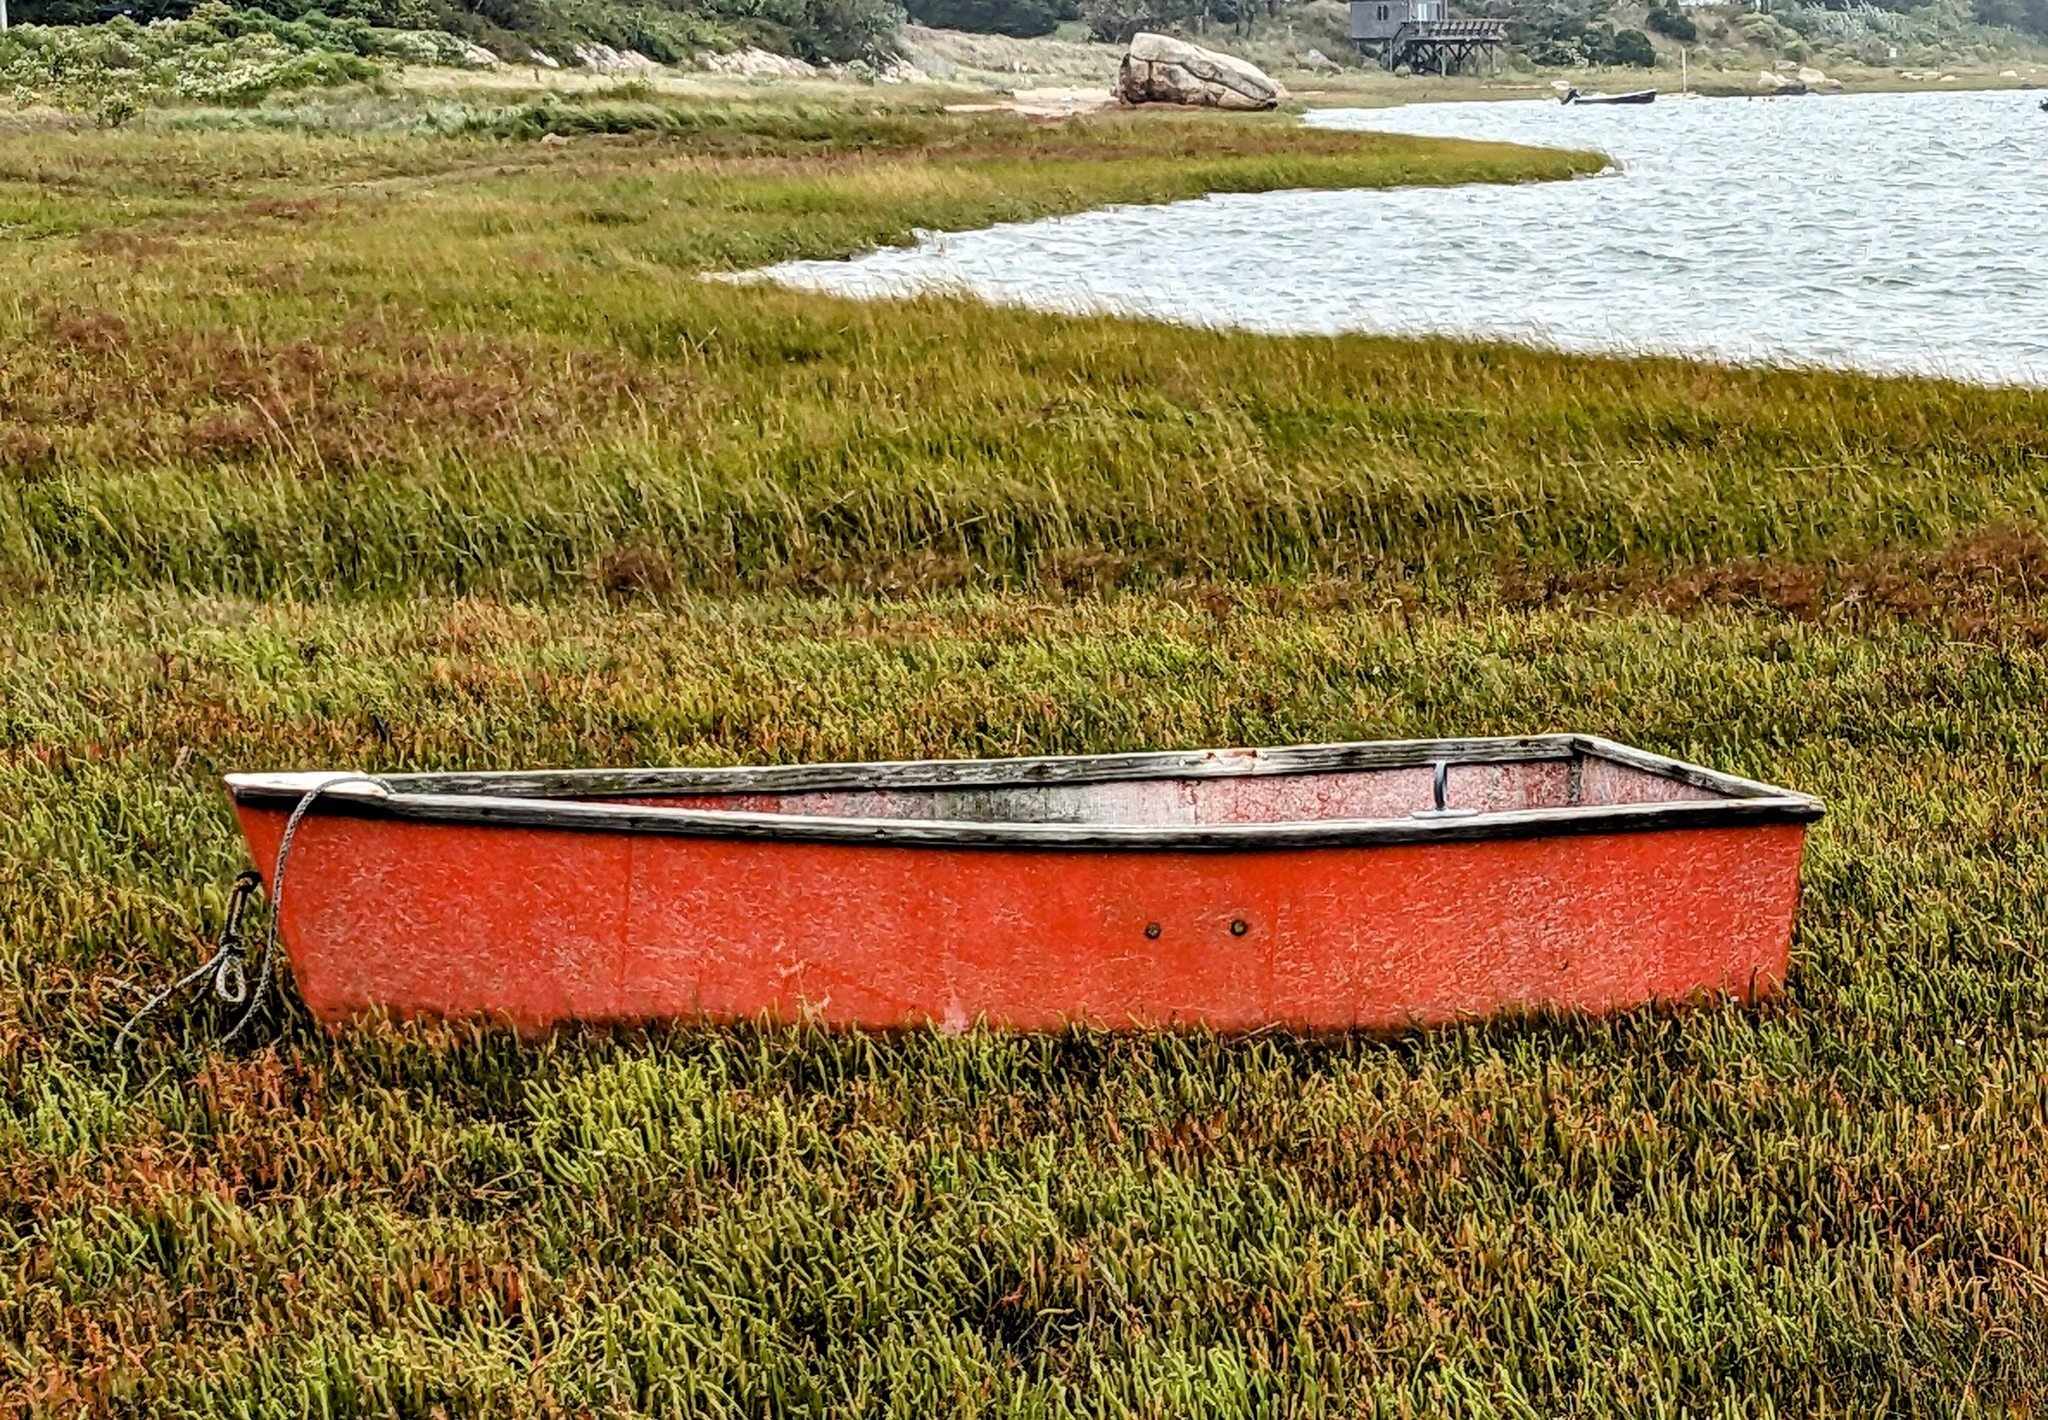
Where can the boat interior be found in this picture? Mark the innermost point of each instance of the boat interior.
(1425, 779)
(1385, 793)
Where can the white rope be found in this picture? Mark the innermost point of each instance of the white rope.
(230, 984)
(211, 966)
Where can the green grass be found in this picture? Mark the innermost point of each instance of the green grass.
(382, 365)
(375, 451)
(1828, 1204)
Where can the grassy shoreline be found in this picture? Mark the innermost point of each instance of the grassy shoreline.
(704, 423)
(549, 393)
(393, 452)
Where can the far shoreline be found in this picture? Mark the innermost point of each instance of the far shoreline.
(1717, 84)
(1050, 78)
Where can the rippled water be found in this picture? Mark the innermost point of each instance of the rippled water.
(1904, 232)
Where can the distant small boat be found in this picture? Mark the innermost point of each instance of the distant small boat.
(1640, 96)
(1322, 887)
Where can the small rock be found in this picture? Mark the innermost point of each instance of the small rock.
(545, 61)
(554, 140)
(603, 59)
(477, 57)
(899, 71)
(1160, 70)
(759, 63)
(1317, 60)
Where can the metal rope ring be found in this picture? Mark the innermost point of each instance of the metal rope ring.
(266, 961)
(230, 981)
(226, 967)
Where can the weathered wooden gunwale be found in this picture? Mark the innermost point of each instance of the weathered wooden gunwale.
(571, 799)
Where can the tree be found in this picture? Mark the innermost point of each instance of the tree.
(1633, 47)
(1673, 23)
(1115, 21)
(835, 31)
(2030, 16)
(1021, 18)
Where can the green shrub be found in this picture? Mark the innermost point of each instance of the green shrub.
(437, 31)
(116, 110)
(219, 56)
(1022, 18)
(1673, 23)
(1632, 47)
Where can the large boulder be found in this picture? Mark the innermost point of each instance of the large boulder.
(1162, 70)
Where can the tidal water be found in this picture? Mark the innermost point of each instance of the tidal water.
(1894, 233)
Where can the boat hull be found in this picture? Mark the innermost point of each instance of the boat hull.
(536, 926)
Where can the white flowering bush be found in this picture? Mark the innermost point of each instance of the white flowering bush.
(425, 47)
(218, 55)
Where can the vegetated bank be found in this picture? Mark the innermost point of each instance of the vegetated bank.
(419, 66)
(564, 385)
(395, 452)
(549, 31)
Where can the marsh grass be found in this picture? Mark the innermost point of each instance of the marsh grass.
(379, 452)
(278, 364)
(1828, 1204)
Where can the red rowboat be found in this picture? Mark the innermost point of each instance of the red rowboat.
(1320, 887)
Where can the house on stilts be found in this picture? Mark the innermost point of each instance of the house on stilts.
(1417, 35)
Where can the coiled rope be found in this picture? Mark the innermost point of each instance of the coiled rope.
(226, 965)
